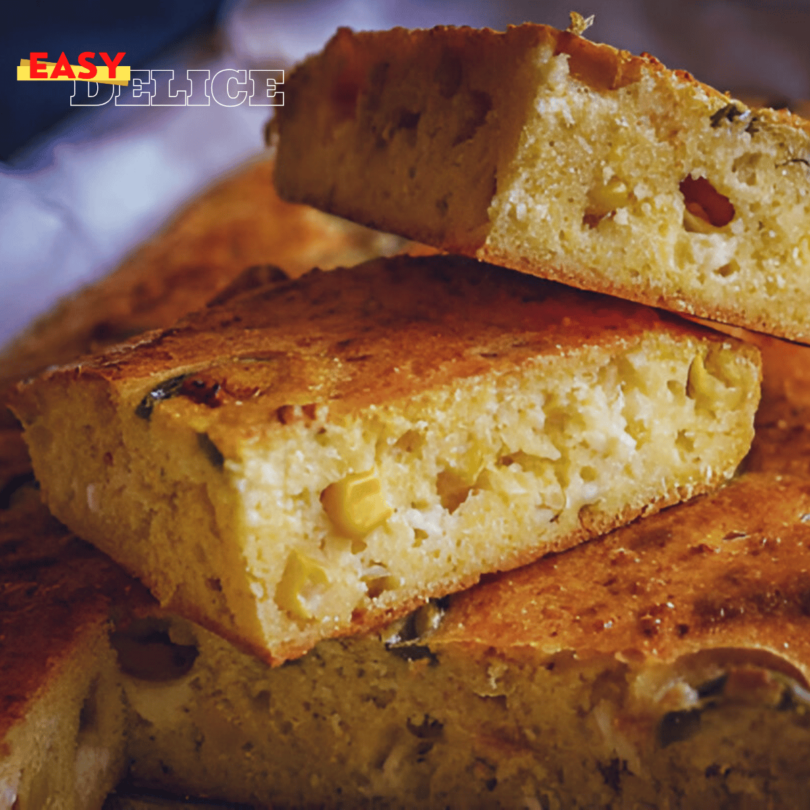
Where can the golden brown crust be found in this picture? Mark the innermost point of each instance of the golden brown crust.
(383, 332)
(726, 570)
(56, 594)
(238, 223)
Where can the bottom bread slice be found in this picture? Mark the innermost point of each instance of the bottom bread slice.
(664, 666)
(312, 457)
(62, 715)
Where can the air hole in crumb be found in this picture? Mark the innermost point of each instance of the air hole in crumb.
(88, 714)
(452, 490)
(727, 270)
(261, 701)
(480, 103)
(637, 429)
(428, 729)
(377, 585)
(412, 441)
(685, 442)
(403, 120)
(419, 536)
(592, 218)
(676, 388)
(745, 167)
(587, 474)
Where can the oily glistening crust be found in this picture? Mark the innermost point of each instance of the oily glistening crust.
(728, 570)
(602, 170)
(288, 347)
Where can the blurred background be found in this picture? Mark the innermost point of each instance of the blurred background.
(81, 186)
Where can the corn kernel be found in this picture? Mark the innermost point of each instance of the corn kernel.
(300, 582)
(610, 196)
(355, 504)
(714, 391)
(700, 385)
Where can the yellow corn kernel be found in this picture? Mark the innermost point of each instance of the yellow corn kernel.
(717, 388)
(300, 583)
(609, 196)
(700, 385)
(356, 505)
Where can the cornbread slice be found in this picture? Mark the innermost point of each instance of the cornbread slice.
(665, 666)
(310, 457)
(61, 705)
(553, 155)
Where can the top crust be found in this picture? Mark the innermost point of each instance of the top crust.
(382, 332)
(728, 570)
(56, 593)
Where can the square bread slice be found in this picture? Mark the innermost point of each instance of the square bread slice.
(62, 714)
(664, 666)
(311, 457)
(545, 152)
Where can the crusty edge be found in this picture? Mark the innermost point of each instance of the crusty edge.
(578, 275)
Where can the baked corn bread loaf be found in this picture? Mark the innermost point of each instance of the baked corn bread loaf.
(237, 223)
(665, 666)
(61, 705)
(310, 457)
(545, 152)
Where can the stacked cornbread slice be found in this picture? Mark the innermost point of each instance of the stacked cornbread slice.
(304, 461)
(542, 151)
(308, 458)
(665, 665)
